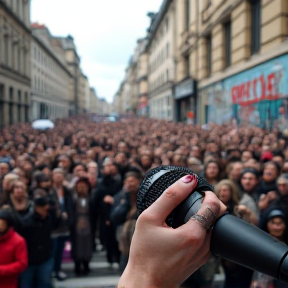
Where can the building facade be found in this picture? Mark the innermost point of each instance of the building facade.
(50, 77)
(142, 77)
(73, 65)
(15, 72)
(161, 61)
(236, 52)
(186, 56)
(83, 95)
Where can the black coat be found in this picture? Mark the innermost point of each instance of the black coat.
(73, 226)
(120, 208)
(68, 207)
(37, 233)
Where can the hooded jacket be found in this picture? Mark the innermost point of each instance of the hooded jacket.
(13, 260)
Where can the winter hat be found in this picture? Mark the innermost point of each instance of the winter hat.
(6, 216)
(275, 213)
(267, 156)
(250, 170)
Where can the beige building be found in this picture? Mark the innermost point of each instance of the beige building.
(142, 77)
(73, 65)
(14, 61)
(237, 53)
(161, 61)
(131, 96)
(83, 95)
(93, 105)
(50, 76)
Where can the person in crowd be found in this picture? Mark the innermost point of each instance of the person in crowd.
(66, 163)
(274, 223)
(212, 172)
(228, 193)
(37, 228)
(14, 258)
(64, 203)
(7, 185)
(271, 172)
(235, 174)
(19, 203)
(106, 186)
(124, 214)
(82, 237)
(236, 276)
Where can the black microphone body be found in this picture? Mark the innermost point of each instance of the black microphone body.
(232, 238)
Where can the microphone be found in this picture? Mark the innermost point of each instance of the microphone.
(232, 238)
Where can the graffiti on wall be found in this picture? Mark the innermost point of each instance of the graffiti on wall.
(257, 96)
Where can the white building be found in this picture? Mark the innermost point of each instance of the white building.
(161, 62)
(49, 77)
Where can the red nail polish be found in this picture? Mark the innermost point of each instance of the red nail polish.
(187, 178)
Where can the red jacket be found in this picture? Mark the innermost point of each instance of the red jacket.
(13, 259)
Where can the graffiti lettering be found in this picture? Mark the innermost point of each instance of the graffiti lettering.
(254, 91)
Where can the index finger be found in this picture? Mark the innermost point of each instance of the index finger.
(170, 199)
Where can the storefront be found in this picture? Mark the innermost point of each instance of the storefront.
(257, 96)
(185, 101)
(142, 109)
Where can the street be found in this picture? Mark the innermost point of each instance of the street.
(101, 276)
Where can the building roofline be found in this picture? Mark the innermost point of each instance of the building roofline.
(159, 17)
(51, 53)
(15, 17)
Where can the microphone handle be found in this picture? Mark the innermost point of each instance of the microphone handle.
(242, 243)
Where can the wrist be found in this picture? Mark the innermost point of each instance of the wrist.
(132, 278)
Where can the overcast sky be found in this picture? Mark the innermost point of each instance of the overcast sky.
(105, 33)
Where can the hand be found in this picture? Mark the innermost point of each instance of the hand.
(5, 207)
(183, 250)
(108, 200)
(242, 211)
(272, 195)
(265, 199)
(64, 216)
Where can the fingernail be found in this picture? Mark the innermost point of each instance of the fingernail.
(187, 178)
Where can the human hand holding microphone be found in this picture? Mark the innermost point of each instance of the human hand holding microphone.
(161, 256)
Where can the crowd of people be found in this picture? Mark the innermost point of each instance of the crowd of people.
(78, 183)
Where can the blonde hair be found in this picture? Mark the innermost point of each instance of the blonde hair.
(233, 189)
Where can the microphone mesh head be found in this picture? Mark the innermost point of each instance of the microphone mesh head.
(152, 187)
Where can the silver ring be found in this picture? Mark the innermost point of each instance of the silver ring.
(207, 220)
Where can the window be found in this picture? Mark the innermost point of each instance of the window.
(167, 75)
(13, 56)
(11, 94)
(187, 24)
(18, 6)
(167, 50)
(167, 24)
(227, 35)
(19, 113)
(187, 65)
(26, 113)
(11, 106)
(19, 96)
(209, 54)
(19, 60)
(24, 65)
(6, 50)
(255, 26)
